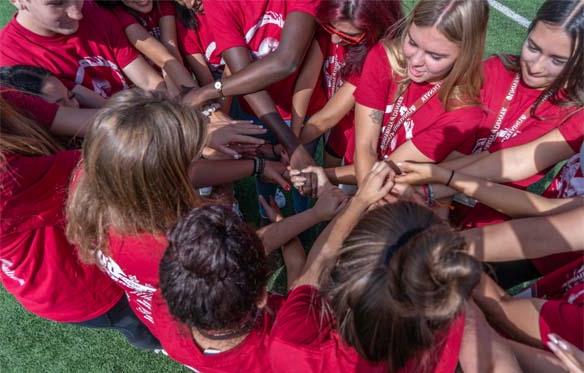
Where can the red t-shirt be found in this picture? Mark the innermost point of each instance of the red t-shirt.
(304, 340)
(434, 131)
(31, 106)
(150, 21)
(251, 355)
(563, 313)
(94, 56)
(257, 25)
(200, 41)
(132, 262)
(38, 266)
(341, 140)
(496, 87)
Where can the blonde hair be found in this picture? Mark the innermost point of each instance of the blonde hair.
(21, 135)
(463, 22)
(134, 173)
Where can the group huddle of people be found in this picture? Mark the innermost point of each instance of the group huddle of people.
(448, 196)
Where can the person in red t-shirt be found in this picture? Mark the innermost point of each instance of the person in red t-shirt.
(260, 50)
(347, 33)
(138, 176)
(530, 95)
(37, 264)
(419, 94)
(558, 147)
(197, 42)
(151, 28)
(398, 290)
(39, 93)
(76, 42)
(214, 313)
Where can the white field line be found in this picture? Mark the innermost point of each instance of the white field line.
(508, 12)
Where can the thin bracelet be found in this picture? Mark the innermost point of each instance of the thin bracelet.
(450, 178)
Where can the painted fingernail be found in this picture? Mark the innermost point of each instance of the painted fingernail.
(553, 338)
(552, 346)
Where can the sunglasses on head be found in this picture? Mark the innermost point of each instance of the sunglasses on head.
(346, 38)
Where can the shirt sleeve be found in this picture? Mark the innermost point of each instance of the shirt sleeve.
(188, 39)
(302, 320)
(123, 52)
(32, 106)
(573, 131)
(167, 8)
(564, 319)
(225, 18)
(124, 18)
(304, 6)
(375, 82)
(450, 132)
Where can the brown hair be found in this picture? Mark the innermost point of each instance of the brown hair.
(21, 135)
(134, 173)
(463, 22)
(402, 276)
(568, 87)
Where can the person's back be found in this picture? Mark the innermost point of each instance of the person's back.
(39, 267)
(213, 312)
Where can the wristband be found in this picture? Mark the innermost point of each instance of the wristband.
(258, 166)
(431, 200)
(450, 178)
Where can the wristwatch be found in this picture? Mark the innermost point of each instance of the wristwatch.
(218, 85)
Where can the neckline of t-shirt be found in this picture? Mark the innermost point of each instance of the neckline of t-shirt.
(45, 39)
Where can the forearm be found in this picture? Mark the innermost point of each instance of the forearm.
(341, 175)
(511, 201)
(304, 87)
(523, 161)
(203, 172)
(200, 68)
(365, 158)
(294, 260)
(461, 162)
(330, 241)
(72, 121)
(518, 318)
(179, 74)
(535, 360)
(87, 97)
(482, 349)
(277, 234)
(527, 238)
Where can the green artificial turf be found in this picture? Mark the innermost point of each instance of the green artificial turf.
(30, 344)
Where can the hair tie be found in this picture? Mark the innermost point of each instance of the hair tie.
(401, 241)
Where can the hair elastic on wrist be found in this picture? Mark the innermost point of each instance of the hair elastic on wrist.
(401, 241)
(450, 178)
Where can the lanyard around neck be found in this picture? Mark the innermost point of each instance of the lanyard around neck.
(503, 112)
(392, 127)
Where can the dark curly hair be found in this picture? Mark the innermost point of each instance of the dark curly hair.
(214, 271)
(24, 78)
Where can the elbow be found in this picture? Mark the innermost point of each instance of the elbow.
(287, 64)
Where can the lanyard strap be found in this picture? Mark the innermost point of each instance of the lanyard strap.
(391, 129)
(499, 121)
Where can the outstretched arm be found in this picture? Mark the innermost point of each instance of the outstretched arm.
(528, 238)
(510, 201)
(376, 185)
